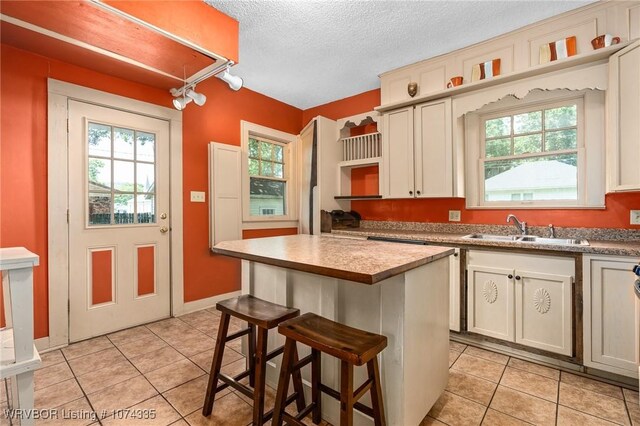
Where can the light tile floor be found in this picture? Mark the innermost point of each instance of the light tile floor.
(163, 367)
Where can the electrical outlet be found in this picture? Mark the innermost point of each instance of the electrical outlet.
(635, 217)
(197, 196)
(454, 215)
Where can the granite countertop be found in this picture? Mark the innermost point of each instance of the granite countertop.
(362, 261)
(610, 247)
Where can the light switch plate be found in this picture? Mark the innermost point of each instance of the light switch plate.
(635, 217)
(197, 196)
(454, 215)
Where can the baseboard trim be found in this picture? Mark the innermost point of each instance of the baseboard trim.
(209, 302)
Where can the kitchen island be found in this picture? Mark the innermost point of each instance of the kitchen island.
(398, 290)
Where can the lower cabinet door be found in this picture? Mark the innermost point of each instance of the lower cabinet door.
(611, 315)
(543, 311)
(490, 302)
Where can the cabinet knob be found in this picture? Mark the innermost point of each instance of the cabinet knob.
(518, 277)
(418, 192)
(455, 254)
(510, 276)
(410, 192)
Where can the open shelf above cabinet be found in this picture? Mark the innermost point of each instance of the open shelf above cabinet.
(358, 197)
(573, 61)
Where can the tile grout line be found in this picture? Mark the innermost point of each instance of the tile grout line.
(494, 391)
(86, 397)
(152, 385)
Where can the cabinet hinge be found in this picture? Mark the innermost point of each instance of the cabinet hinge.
(67, 125)
(67, 215)
(68, 306)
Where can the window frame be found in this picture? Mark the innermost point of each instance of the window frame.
(287, 141)
(579, 150)
(503, 101)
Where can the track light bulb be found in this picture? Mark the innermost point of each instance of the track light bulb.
(198, 98)
(181, 102)
(234, 82)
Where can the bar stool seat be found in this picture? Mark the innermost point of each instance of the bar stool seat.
(352, 346)
(261, 316)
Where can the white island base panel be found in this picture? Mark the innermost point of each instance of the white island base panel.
(411, 309)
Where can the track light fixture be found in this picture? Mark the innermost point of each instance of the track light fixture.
(187, 93)
(234, 82)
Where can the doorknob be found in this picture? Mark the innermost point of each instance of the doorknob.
(164, 229)
(163, 216)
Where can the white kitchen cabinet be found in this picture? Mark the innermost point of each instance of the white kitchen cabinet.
(418, 151)
(543, 311)
(611, 315)
(491, 302)
(430, 76)
(510, 299)
(454, 291)
(623, 102)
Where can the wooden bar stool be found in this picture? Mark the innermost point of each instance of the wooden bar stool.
(265, 316)
(351, 346)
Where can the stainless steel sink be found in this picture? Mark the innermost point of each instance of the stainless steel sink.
(490, 237)
(534, 239)
(553, 241)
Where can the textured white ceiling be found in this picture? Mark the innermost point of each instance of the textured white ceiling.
(307, 53)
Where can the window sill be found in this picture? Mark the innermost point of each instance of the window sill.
(269, 224)
(534, 207)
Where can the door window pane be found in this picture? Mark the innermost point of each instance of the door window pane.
(121, 176)
(123, 143)
(100, 209)
(146, 208)
(99, 140)
(99, 174)
(145, 146)
(145, 177)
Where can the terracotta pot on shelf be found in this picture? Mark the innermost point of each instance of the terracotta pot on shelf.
(604, 40)
(454, 81)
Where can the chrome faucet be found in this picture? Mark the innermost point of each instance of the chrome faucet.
(552, 231)
(522, 226)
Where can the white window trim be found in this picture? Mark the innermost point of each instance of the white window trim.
(248, 130)
(591, 148)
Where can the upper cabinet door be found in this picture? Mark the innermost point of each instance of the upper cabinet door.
(433, 149)
(624, 120)
(398, 153)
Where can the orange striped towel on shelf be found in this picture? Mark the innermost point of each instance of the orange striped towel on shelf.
(558, 49)
(485, 70)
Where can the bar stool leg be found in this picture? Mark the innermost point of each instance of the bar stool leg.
(297, 382)
(316, 395)
(216, 364)
(251, 355)
(283, 381)
(260, 377)
(376, 392)
(346, 394)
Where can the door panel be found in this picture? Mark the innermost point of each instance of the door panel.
(543, 311)
(398, 153)
(118, 220)
(614, 320)
(490, 302)
(433, 149)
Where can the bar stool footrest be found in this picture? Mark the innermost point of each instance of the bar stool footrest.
(336, 395)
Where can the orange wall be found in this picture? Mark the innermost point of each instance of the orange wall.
(615, 215)
(23, 161)
(344, 107)
(262, 233)
(219, 121)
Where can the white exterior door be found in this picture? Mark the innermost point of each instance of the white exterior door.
(118, 220)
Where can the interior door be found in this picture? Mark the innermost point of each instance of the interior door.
(119, 249)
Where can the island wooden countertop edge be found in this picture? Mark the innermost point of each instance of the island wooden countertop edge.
(331, 272)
